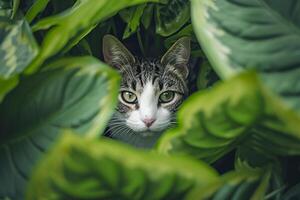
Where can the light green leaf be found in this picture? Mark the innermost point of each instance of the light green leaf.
(75, 93)
(75, 23)
(17, 47)
(171, 17)
(236, 112)
(247, 184)
(244, 34)
(106, 169)
(134, 21)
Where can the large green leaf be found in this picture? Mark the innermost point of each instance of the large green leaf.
(253, 34)
(75, 93)
(17, 47)
(246, 184)
(70, 26)
(236, 112)
(172, 16)
(106, 169)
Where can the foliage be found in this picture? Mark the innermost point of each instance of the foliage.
(246, 126)
(108, 170)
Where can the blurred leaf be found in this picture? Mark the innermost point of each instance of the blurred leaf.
(17, 47)
(244, 184)
(106, 169)
(35, 9)
(213, 122)
(73, 24)
(75, 93)
(171, 17)
(134, 21)
(8, 8)
(245, 34)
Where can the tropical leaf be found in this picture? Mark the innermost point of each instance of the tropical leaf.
(244, 34)
(106, 169)
(6, 85)
(236, 112)
(134, 20)
(35, 9)
(75, 93)
(170, 17)
(147, 15)
(8, 8)
(235, 185)
(69, 27)
(17, 47)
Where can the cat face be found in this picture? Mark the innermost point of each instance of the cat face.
(150, 92)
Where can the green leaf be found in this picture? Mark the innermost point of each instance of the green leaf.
(17, 47)
(75, 93)
(134, 21)
(106, 169)
(7, 85)
(235, 185)
(35, 9)
(235, 112)
(171, 17)
(147, 15)
(69, 27)
(8, 8)
(263, 35)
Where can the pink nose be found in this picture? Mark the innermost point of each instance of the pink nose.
(148, 121)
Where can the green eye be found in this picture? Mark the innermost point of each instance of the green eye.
(128, 97)
(167, 96)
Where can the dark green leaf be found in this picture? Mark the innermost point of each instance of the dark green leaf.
(171, 17)
(147, 15)
(8, 8)
(7, 85)
(244, 34)
(134, 21)
(75, 93)
(106, 169)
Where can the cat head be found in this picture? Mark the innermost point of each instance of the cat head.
(151, 90)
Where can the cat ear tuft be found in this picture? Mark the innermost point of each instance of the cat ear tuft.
(178, 56)
(115, 53)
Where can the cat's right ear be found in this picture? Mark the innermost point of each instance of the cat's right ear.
(115, 53)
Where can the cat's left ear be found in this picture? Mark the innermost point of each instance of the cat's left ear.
(178, 56)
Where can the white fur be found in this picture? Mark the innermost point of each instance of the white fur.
(148, 102)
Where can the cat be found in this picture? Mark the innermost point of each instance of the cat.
(150, 93)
